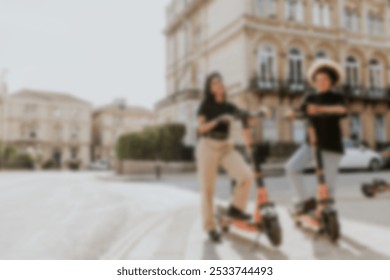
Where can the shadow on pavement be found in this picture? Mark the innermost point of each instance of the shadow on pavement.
(209, 251)
(323, 249)
(246, 249)
(250, 249)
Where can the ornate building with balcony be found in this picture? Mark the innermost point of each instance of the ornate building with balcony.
(263, 49)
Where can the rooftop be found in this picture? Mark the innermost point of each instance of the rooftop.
(47, 96)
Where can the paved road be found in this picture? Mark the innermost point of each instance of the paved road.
(79, 216)
(351, 203)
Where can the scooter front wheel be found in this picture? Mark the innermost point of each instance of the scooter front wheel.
(331, 225)
(368, 190)
(273, 230)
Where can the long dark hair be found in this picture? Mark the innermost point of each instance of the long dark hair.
(208, 94)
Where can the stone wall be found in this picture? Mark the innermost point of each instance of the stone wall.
(134, 167)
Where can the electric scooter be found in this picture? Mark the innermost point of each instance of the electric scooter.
(324, 218)
(265, 219)
(378, 186)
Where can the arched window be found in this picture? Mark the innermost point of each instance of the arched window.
(356, 126)
(380, 128)
(352, 71)
(295, 68)
(375, 76)
(294, 10)
(266, 8)
(267, 65)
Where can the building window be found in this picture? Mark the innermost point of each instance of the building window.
(30, 109)
(294, 10)
(295, 68)
(380, 128)
(198, 35)
(356, 128)
(32, 132)
(183, 42)
(352, 70)
(118, 120)
(267, 65)
(321, 55)
(321, 14)
(351, 19)
(375, 78)
(57, 112)
(186, 39)
(266, 8)
(270, 127)
(299, 131)
(375, 24)
(74, 133)
(75, 113)
(74, 153)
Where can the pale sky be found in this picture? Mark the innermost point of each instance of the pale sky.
(98, 50)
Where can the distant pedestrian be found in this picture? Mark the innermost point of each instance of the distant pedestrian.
(157, 168)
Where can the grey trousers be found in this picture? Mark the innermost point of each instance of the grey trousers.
(300, 160)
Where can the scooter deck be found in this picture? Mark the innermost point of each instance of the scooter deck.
(307, 221)
(226, 221)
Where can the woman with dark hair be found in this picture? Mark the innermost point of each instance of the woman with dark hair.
(214, 149)
(324, 110)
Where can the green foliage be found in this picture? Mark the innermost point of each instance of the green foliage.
(74, 164)
(49, 164)
(160, 142)
(12, 157)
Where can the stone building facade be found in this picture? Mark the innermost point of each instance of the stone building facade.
(114, 120)
(48, 126)
(263, 49)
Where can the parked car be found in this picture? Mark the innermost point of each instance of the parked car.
(386, 156)
(358, 156)
(100, 165)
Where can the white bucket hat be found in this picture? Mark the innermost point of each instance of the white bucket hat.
(326, 63)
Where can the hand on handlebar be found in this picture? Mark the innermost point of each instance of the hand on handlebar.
(265, 111)
(290, 114)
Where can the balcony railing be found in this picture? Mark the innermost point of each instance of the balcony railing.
(298, 87)
(279, 86)
(369, 93)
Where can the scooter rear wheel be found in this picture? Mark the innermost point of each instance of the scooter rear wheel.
(225, 229)
(273, 230)
(331, 225)
(368, 190)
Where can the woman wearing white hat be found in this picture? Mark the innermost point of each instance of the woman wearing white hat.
(324, 75)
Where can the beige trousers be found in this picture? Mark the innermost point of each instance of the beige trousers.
(210, 155)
